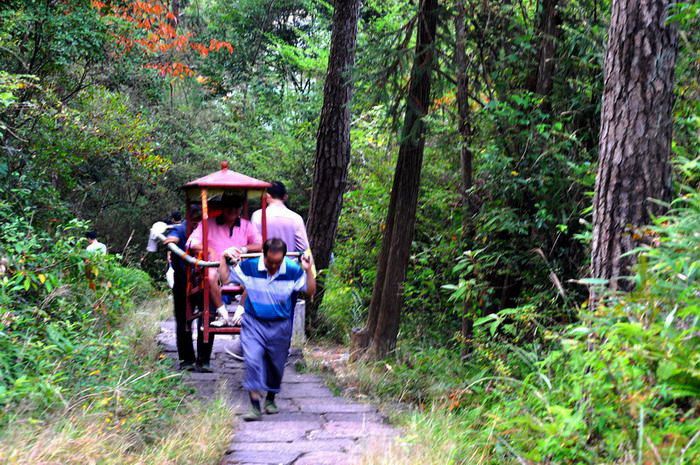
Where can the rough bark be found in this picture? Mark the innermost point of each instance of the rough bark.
(465, 130)
(401, 217)
(333, 138)
(635, 134)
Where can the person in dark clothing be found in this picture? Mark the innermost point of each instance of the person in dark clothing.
(183, 332)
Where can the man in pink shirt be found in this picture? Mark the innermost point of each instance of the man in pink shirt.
(226, 231)
(282, 223)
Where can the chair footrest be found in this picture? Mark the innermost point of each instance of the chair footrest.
(225, 330)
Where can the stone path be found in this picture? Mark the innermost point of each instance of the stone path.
(314, 427)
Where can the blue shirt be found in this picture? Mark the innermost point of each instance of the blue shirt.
(179, 231)
(269, 297)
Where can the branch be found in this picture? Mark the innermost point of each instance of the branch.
(17, 57)
(80, 85)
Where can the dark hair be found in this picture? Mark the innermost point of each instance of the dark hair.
(274, 245)
(277, 190)
(231, 200)
(176, 216)
(91, 235)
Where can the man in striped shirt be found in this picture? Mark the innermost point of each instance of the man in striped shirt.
(271, 283)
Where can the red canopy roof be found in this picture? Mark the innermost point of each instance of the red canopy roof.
(226, 178)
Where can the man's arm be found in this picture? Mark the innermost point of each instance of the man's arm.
(256, 219)
(254, 238)
(307, 263)
(231, 273)
(300, 236)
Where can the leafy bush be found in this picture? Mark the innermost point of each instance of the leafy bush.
(81, 376)
(60, 307)
(621, 385)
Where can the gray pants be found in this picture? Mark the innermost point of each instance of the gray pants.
(266, 347)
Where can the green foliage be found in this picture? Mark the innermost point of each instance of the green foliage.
(61, 311)
(88, 133)
(51, 37)
(621, 385)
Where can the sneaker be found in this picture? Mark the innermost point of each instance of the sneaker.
(271, 407)
(253, 415)
(203, 368)
(222, 313)
(219, 322)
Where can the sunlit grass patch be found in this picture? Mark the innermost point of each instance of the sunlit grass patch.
(197, 434)
(430, 438)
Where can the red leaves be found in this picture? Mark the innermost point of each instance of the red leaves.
(201, 49)
(166, 31)
(216, 45)
(155, 33)
(174, 69)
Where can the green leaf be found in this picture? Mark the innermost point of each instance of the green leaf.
(485, 319)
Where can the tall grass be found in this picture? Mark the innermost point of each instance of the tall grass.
(140, 414)
(197, 434)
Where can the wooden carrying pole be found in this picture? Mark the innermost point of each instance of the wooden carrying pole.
(205, 271)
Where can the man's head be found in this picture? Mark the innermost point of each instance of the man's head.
(91, 236)
(274, 251)
(231, 205)
(195, 211)
(277, 191)
(175, 216)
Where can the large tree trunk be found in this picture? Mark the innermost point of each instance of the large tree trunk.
(464, 127)
(385, 308)
(333, 140)
(635, 134)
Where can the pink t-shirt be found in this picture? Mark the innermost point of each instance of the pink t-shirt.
(282, 223)
(221, 237)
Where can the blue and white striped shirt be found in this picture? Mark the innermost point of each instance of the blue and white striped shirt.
(269, 297)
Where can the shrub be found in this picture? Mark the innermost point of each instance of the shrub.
(621, 385)
(59, 304)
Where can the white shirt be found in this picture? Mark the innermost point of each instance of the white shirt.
(97, 247)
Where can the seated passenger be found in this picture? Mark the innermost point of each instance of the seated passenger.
(224, 232)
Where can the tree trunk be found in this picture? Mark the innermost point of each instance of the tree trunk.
(333, 139)
(465, 130)
(401, 217)
(549, 32)
(635, 134)
(362, 339)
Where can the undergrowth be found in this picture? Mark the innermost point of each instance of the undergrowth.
(620, 385)
(82, 379)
